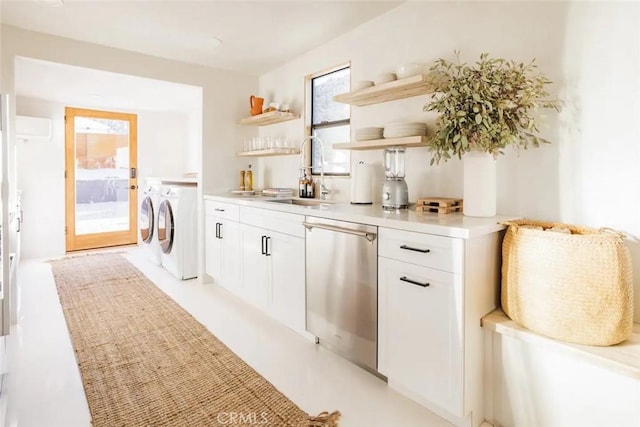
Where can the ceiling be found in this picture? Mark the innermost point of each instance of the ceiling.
(88, 88)
(257, 35)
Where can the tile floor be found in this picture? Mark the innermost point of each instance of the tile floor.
(44, 387)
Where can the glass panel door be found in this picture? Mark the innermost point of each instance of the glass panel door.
(101, 178)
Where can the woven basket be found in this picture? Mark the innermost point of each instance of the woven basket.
(573, 287)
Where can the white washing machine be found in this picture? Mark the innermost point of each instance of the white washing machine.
(148, 222)
(177, 230)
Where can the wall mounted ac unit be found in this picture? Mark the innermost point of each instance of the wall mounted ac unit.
(33, 128)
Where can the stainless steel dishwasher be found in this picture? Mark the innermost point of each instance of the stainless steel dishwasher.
(342, 288)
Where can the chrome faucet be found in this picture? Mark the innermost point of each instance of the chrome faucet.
(323, 190)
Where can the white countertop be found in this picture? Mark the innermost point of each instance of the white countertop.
(449, 225)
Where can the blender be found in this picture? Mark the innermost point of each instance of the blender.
(395, 194)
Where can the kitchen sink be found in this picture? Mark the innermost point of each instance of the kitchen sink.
(302, 202)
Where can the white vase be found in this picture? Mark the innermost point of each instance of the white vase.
(479, 184)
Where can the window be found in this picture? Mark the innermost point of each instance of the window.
(330, 121)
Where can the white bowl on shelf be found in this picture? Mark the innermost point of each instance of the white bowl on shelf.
(411, 69)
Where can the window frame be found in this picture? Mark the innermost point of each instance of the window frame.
(310, 127)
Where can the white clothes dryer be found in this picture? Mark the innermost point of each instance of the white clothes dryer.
(148, 222)
(177, 230)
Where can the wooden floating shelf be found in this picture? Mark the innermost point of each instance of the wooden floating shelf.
(409, 141)
(269, 152)
(397, 89)
(269, 118)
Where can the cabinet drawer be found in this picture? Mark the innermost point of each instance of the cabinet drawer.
(282, 222)
(222, 210)
(441, 253)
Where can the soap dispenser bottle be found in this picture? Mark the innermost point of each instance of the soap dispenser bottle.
(310, 192)
(302, 184)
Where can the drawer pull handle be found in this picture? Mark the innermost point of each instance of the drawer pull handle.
(218, 210)
(413, 282)
(409, 248)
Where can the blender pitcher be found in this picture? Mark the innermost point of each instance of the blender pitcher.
(394, 162)
(395, 194)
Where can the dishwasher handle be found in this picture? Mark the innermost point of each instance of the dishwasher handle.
(369, 236)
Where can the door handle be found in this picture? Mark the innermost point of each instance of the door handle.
(133, 187)
(409, 248)
(369, 236)
(264, 251)
(413, 282)
(266, 247)
(219, 230)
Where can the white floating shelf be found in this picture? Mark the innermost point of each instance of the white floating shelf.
(396, 89)
(269, 118)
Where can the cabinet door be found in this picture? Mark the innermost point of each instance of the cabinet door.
(420, 332)
(230, 263)
(213, 250)
(255, 280)
(287, 290)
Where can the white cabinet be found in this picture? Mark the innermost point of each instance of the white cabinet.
(433, 290)
(420, 332)
(432, 293)
(255, 275)
(274, 264)
(222, 246)
(287, 299)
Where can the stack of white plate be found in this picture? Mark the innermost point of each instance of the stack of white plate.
(404, 129)
(367, 134)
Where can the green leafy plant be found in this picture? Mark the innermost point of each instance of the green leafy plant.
(486, 106)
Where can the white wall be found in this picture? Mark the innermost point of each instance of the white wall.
(41, 179)
(164, 145)
(162, 151)
(587, 175)
(599, 174)
(224, 96)
(422, 32)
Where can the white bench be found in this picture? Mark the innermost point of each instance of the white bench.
(535, 381)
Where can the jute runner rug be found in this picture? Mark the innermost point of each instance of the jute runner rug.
(145, 361)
